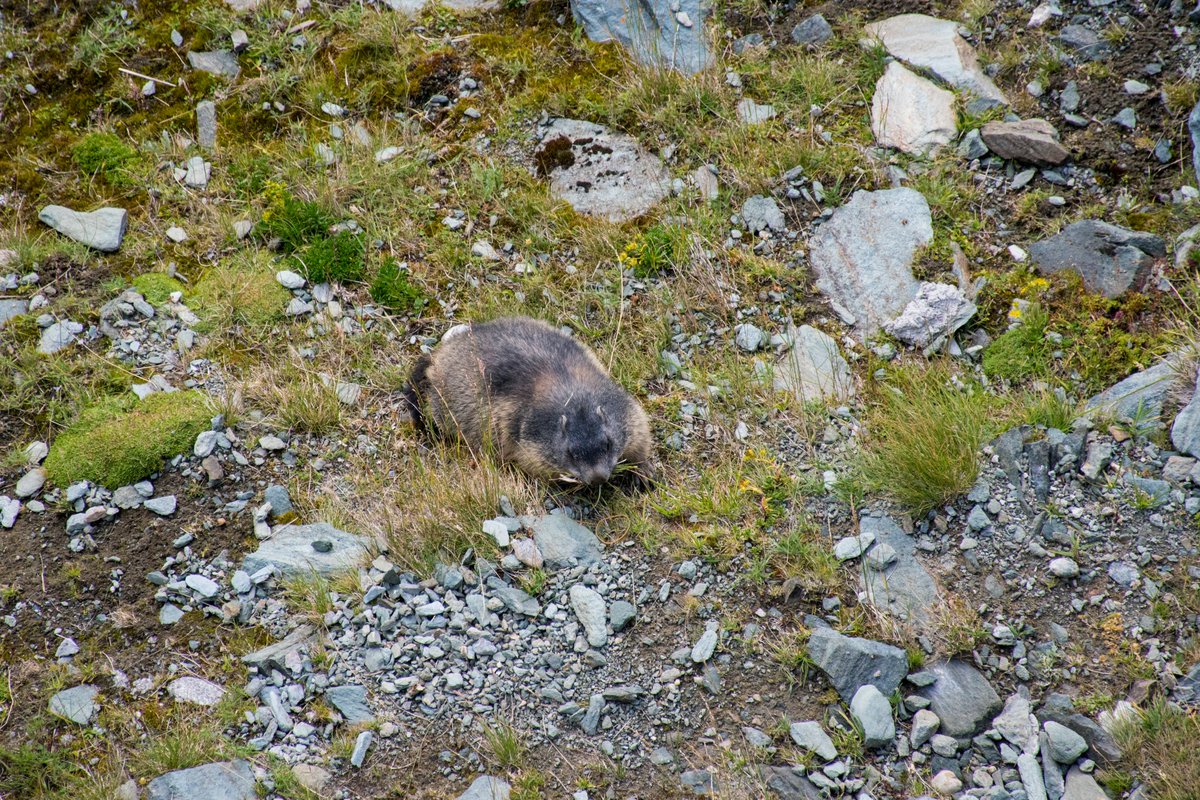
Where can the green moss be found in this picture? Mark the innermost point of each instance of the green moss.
(105, 155)
(238, 292)
(392, 290)
(156, 287)
(116, 442)
(338, 258)
(1021, 353)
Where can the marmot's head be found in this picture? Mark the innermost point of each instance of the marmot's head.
(583, 439)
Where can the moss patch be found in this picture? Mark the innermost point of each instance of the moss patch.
(337, 258)
(1022, 352)
(156, 287)
(236, 293)
(117, 442)
(392, 290)
(105, 155)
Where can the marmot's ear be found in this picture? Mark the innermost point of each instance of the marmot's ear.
(562, 423)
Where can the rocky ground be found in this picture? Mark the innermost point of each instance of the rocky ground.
(909, 293)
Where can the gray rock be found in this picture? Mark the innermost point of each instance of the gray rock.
(163, 506)
(66, 648)
(590, 608)
(202, 585)
(221, 63)
(196, 691)
(1103, 747)
(1111, 260)
(590, 722)
(1031, 776)
(935, 45)
(705, 646)
(972, 145)
(58, 336)
(1066, 746)
(169, 614)
(196, 176)
(961, 697)
(101, 230)
(361, 745)
(753, 113)
(873, 713)
(1016, 722)
(1140, 396)
(813, 31)
(9, 508)
(748, 337)
(761, 213)
(77, 704)
(1082, 786)
(30, 483)
(517, 601)
(911, 113)
(932, 316)
(812, 737)
(486, 787)
(1068, 101)
(924, 725)
(206, 124)
(813, 370)
(1032, 141)
(10, 308)
(789, 783)
(662, 34)
(562, 541)
(351, 702)
(851, 663)
(862, 257)
(1185, 431)
(1126, 118)
(280, 500)
(290, 551)
(1085, 42)
(699, 782)
(905, 590)
(1194, 130)
(1064, 567)
(600, 173)
(621, 615)
(222, 780)
(853, 546)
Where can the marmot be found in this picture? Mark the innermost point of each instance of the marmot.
(542, 399)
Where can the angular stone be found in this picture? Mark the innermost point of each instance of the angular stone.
(761, 213)
(910, 113)
(862, 257)
(1138, 397)
(590, 608)
(1194, 130)
(1103, 747)
(934, 44)
(277, 655)
(924, 724)
(934, 314)
(600, 173)
(101, 230)
(206, 124)
(10, 308)
(77, 704)
(812, 737)
(1185, 431)
(351, 702)
(562, 541)
(196, 691)
(312, 777)
(873, 713)
(813, 31)
(1031, 776)
(163, 506)
(1082, 786)
(850, 662)
(753, 113)
(216, 62)
(222, 780)
(1014, 723)
(31, 483)
(1085, 42)
(1111, 260)
(290, 551)
(905, 590)
(621, 615)
(1066, 746)
(657, 33)
(813, 370)
(58, 336)
(1031, 141)
(961, 697)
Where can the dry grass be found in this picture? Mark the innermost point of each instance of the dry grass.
(1159, 742)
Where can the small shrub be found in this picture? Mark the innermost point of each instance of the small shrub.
(392, 289)
(506, 743)
(337, 258)
(117, 442)
(156, 287)
(1023, 352)
(293, 221)
(105, 155)
(925, 435)
(659, 248)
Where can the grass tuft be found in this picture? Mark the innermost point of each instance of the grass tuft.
(156, 287)
(392, 289)
(1160, 743)
(1022, 352)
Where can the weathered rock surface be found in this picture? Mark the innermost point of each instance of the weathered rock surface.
(102, 229)
(1140, 396)
(934, 44)
(196, 691)
(216, 62)
(222, 780)
(961, 697)
(290, 550)
(862, 257)
(1185, 431)
(486, 787)
(905, 589)
(1194, 130)
(663, 34)
(910, 113)
(813, 370)
(600, 173)
(59, 336)
(851, 662)
(562, 541)
(873, 713)
(1111, 260)
(10, 308)
(77, 704)
(932, 316)
(1032, 141)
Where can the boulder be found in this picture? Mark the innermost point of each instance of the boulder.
(910, 113)
(851, 662)
(813, 370)
(222, 780)
(1140, 396)
(102, 229)
(600, 173)
(1032, 141)
(1111, 260)
(1185, 431)
(961, 697)
(862, 256)
(904, 589)
(934, 44)
(658, 33)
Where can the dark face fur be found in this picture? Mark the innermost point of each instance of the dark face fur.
(584, 440)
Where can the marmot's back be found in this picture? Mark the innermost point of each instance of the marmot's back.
(540, 397)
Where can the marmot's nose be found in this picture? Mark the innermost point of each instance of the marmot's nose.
(595, 477)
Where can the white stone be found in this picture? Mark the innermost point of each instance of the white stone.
(935, 45)
(910, 113)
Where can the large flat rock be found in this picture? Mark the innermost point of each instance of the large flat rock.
(813, 370)
(1032, 141)
(600, 173)
(1138, 397)
(910, 113)
(290, 550)
(1111, 260)
(934, 44)
(904, 589)
(850, 662)
(862, 257)
(658, 33)
(961, 697)
(102, 229)
(222, 780)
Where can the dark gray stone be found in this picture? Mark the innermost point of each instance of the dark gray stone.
(850, 662)
(813, 31)
(961, 697)
(280, 500)
(351, 702)
(1084, 42)
(1111, 260)
(1138, 397)
(223, 780)
(1103, 748)
(653, 33)
(905, 589)
(789, 783)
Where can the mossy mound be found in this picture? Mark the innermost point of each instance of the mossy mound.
(1021, 353)
(156, 287)
(392, 290)
(338, 258)
(119, 441)
(105, 155)
(236, 293)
